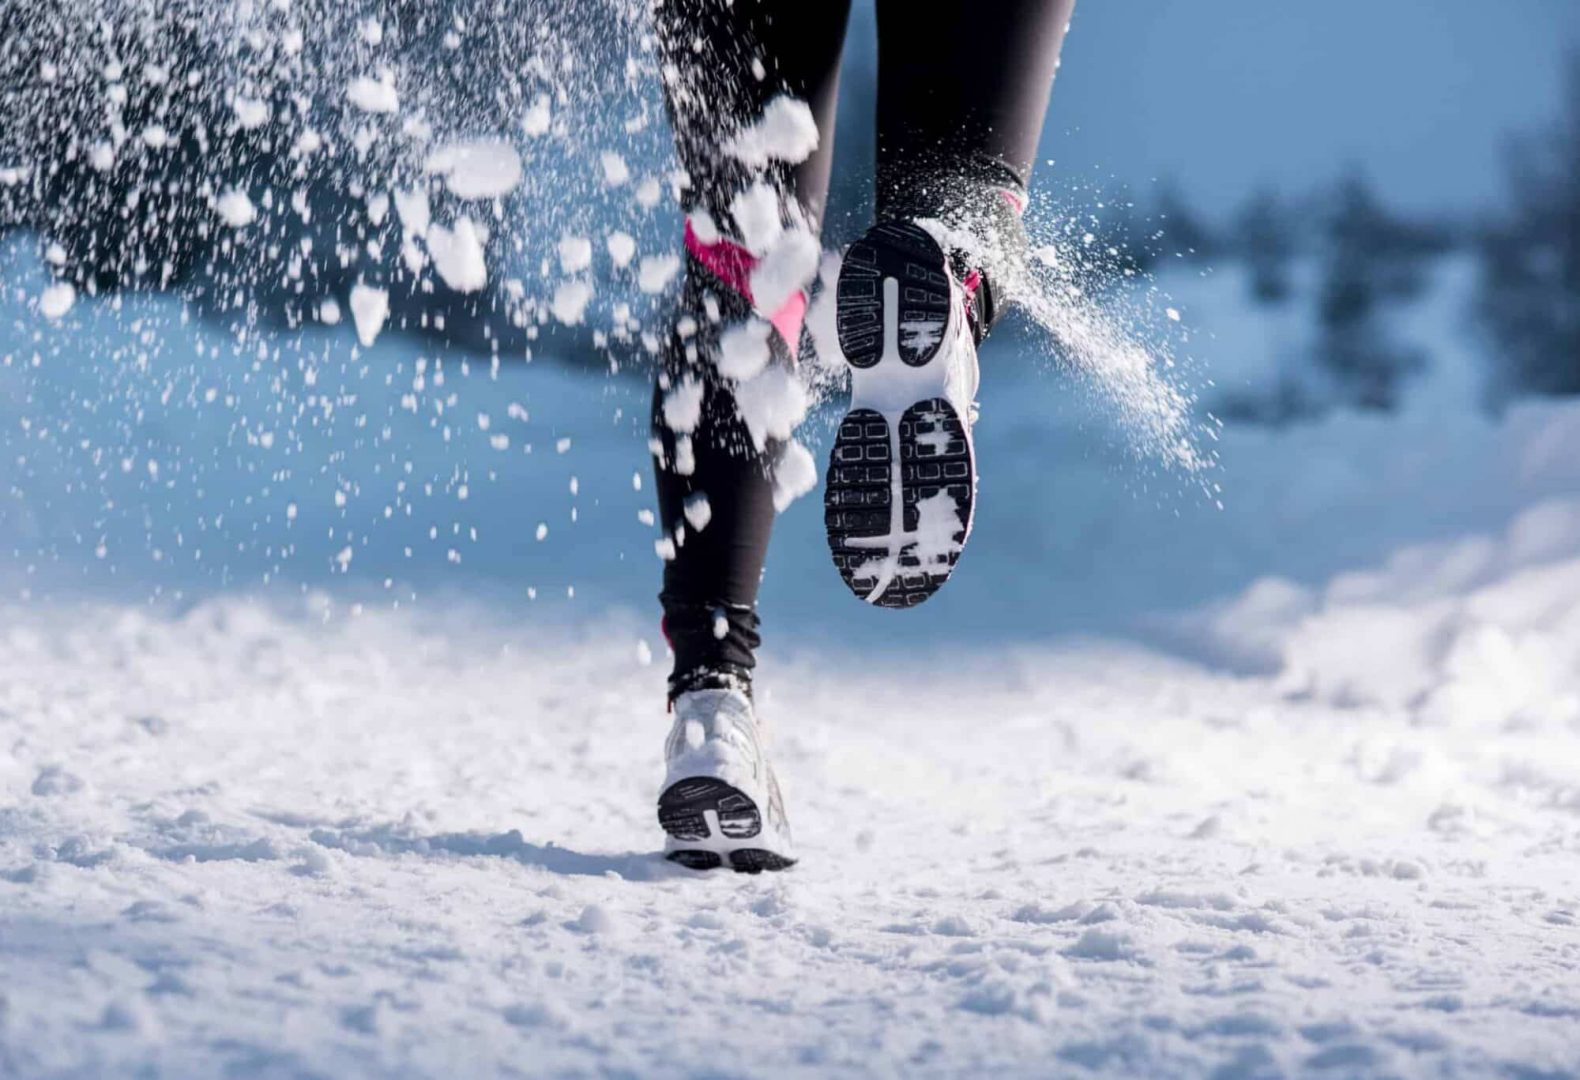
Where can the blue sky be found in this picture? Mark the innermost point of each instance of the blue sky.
(1222, 95)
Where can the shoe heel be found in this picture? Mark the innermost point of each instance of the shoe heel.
(684, 811)
(896, 265)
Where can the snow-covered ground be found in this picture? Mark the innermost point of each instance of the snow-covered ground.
(244, 842)
(1311, 804)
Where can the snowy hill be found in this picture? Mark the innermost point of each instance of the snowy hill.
(302, 780)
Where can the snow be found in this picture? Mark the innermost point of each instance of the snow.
(1151, 789)
(743, 349)
(479, 169)
(703, 225)
(535, 121)
(373, 95)
(655, 272)
(756, 214)
(251, 113)
(648, 193)
(575, 254)
(369, 308)
(247, 852)
(683, 406)
(698, 511)
(771, 404)
(458, 255)
(615, 170)
(56, 300)
(414, 210)
(570, 301)
(788, 267)
(785, 132)
(235, 208)
(622, 248)
(795, 474)
(378, 208)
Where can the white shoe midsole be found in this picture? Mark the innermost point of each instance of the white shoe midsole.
(891, 385)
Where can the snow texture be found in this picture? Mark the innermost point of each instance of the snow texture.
(458, 256)
(655, 272)
(56, 300)
(622, 248)
(234, 844)
(795, 474)
(787, 268)
(575, 254)
(236, 209)
(373, 95)
(757, 216)
(480, 169)
(786, 132)
(743, 349)
(771, 404)
(369, 308)
(570, 301)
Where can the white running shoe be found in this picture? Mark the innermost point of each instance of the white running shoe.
(902, 474)
(721, 804)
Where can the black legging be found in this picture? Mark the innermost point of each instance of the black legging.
(962, 92)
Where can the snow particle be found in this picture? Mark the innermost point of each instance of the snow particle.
(698, 511)
(593, 920)
(683, 406)
(458, 256)
(786, 132)
(484, 169)
(236, 209)
(787, 268)
(757, 216)
(622, 248)
(615, 170)
(537, 117)
(56, 300)
(743, 349)
(570, 301)
(655, 272)
(373, 95)
(251, 113)
(575, 254)
(369, 308)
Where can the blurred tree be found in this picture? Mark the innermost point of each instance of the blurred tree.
(1264, 236)
(1370, 260)
(1182, 231)
(1530, 296)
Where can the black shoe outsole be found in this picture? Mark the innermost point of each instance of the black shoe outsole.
(742, 860)
(859, 489)
(859, 492)
(681, 813)
(906, 253)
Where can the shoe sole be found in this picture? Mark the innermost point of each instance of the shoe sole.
(902, 444)
(684, 812)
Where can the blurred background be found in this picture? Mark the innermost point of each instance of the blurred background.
(1362, 221)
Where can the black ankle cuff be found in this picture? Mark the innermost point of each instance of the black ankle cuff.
(715, 644)
(726, 677)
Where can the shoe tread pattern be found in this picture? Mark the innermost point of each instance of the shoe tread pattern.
(935, 457)
(682, 814)
(905, 252)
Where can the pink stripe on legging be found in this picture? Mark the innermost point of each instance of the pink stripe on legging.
(732, 264)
